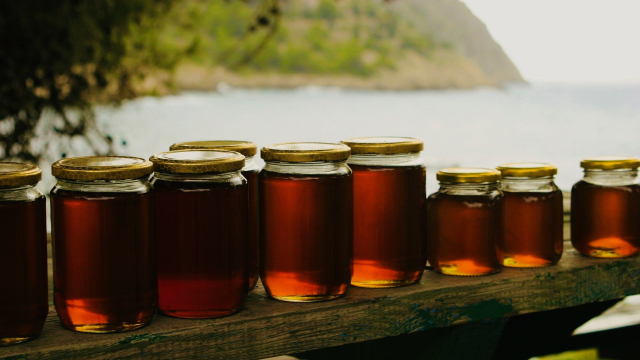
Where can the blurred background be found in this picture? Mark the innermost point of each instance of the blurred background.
(482, 82)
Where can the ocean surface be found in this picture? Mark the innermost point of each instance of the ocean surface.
(558, 124)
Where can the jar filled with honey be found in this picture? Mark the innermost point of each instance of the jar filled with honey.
(202, 217)
(250, 171)
(605, 208)
(24, 300)
(306, 221)
(389, 209)
(531, 216)
(104, 243)
(464, 222)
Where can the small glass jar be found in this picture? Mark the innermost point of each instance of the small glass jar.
(250, 171)
(605, 208)
(531, 217)
(463, 222)
(104, 243)
(306, 221)
(202, 229)
(389, 211)
(24, 300)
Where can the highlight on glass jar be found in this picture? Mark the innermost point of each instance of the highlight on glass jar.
(202, 229)
(463, 222)
(24, 300)
(306, 221)
(104, 245)
(389, 211)
(531, 217)
(250, 171)
(605, 208)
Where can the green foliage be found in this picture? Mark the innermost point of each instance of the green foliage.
(323, 37)
(60, 56)
(66, 55)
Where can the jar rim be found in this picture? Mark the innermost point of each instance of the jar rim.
(384, 145)
(305, 152)
(246, 148)
(88, 168)
(527, 170)
(15, 174)
(610, 163)
(468, 175)
(197, 161)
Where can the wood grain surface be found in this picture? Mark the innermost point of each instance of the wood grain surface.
(268, 327)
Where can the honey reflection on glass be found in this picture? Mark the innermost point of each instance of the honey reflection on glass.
(605, 220)
(532, 233)
(389, 225)
(104, 260)
(306, 232)
(462, 231)
(24, 300)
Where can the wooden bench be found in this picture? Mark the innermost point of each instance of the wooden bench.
(449, 317)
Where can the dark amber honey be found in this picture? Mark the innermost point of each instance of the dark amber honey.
(389, 225)
(306, 233)
(104, 259)
(254, 218)
(532, 232)
(462, 233)
(605, 220)
(203, 269)
(23, 270)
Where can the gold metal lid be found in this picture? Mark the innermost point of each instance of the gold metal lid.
(527, 170)
(13, 174)
(384, 145)
(305, 152)
(468, 175)
(194, 161)
(88, 168)
(246, 148)
(610, 163)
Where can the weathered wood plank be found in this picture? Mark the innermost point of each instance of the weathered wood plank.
(268, 327)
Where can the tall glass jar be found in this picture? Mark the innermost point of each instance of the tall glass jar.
(250, 171)
(306, 221)
(532, 217)
(23, 254)
(104, 244)
(389, 211)
(464, 222)
(605, 208)
(202, 217)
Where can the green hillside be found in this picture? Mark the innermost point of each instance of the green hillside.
(350, 43)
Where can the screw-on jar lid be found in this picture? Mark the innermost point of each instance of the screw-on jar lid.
(88, 168)
(384, 145)
(197, 161)
(13, 174)
(246, 148)
(468, 175)
(305, 152)
(524, 170)
(610, 163)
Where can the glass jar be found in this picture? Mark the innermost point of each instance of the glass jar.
(531, 217)
(463, 222)
(306, 221)
(24, 295)
(104, 245)
(605, 208)
(389, 211)
(250, 171)
(202, 229)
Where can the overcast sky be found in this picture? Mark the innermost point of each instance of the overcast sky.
(567, 40)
